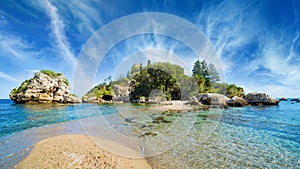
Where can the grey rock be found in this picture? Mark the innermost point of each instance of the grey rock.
(72, 99)
(260, 99)
(120, 90)
(92, 99)
(283, 99)
(237, 101)
(122, 99)
(213, 99)
(193, 103)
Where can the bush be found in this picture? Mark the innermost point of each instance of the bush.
(22, 88)
(100, 90)
(66, 82)
(50, 73)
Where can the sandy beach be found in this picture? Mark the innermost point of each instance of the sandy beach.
(177, 105)
(77, 151)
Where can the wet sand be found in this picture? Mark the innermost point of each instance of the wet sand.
(78, 151)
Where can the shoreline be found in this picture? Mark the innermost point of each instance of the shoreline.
(51, 130)
(78, 151)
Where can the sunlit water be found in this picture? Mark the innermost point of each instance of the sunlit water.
(248, 137)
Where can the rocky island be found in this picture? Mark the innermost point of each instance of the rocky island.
(164, 83)
(158, 83)
(45, 87)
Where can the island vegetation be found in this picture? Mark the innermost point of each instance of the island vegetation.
(157, 83)
(46, 86)
(169, 81)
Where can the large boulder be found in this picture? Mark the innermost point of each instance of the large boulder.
(156, 96)
(120, 90)
(260, 99)
(122, 99)
(92, 99)
(45, 87)
(213, 99)
(237, 101)
(121, 94)
(72, 99)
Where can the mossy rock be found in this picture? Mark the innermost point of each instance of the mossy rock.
(51, 73)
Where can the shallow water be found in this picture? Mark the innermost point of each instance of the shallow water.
(248, 137)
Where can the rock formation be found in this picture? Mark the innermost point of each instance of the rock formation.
(283, 99)
(121, 93)
(213, 99)
(260, 99)
(237, 101)
(45, 87)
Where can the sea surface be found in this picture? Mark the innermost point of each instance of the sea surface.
(245, 137)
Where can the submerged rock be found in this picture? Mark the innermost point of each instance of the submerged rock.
(260, 99)
(45, 87)
(160, 119)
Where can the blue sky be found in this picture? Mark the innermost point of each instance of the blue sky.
(257, 42)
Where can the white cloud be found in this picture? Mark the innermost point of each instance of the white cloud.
(234, 27)
(7, 77)
(87, 15)
(58, 31)
(13, 45)
(3, 20)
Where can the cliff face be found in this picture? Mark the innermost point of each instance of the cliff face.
(44, 87)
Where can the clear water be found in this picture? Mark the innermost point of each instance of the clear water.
(247, 137)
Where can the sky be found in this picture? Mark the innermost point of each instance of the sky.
(257, 43)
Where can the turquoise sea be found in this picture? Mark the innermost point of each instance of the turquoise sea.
(246, 137)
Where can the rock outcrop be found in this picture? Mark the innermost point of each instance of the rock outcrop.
(121, 94)
(237, 102)
(283, 99)
(45, 87)
(120, 90)
(213, 99)
(258, 99)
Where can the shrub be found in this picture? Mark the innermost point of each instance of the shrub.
(50, 73)
(66, 82)
(22, 88)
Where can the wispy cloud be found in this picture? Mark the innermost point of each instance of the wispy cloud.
(58, 31)
(253, 52)
(7, 77)
(3, 20)
(86, 15)
(14, 46)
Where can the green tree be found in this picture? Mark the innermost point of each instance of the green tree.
(162, 76)
(141, 67)
(233, 90)
(148, 63)
(128, 74)
(213, 74)
(201, 74)
(197, 69)
(135, 68)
